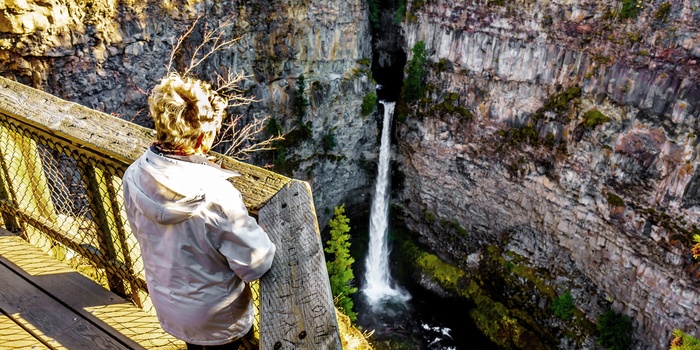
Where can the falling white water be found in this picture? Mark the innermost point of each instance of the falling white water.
(378, 284)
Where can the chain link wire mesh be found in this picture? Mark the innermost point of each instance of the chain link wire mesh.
(67, 200)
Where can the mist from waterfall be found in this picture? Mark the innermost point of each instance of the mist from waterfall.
(378, 286)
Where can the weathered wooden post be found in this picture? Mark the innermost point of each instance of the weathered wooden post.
(296, 302)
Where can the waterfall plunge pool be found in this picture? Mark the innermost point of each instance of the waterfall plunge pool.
(409, 317)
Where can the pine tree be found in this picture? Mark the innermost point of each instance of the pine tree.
(300, 101)
(413, 88)
(340, 268)
(300, 105)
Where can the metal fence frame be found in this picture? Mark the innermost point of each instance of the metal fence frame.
(46, 142)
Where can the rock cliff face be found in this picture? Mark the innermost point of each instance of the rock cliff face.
(579, 154)
(108, 54)
(561, 134)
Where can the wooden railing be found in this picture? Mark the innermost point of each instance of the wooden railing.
(60, 188)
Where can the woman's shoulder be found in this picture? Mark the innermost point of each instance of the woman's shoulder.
(220, 189)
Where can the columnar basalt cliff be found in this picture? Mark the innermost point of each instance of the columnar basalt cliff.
(108, 54)
(555, 148)
(563, 136)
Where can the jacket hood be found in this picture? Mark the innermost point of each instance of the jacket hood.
(170, 191)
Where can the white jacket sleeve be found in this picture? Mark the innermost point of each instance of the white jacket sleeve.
(245, 245)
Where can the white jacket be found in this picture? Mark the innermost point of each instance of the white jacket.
(199, 247)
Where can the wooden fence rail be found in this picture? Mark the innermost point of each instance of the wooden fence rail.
(74, 207)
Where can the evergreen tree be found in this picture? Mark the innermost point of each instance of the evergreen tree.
(374, 12)
(614, 331)
(300, 104)
(413, 88)
(340, 268)
(300, 101)
(563, 306)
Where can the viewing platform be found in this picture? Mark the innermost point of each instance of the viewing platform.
(71, 274)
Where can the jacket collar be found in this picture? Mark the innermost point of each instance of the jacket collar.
(189, 160)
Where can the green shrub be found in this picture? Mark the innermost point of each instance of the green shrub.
(448, 106)
(340, 268)
(454, 224)
(630, 9)
(563, 306)
(683, 341)
(447, 275)
(527, 134)
(400, 12)
(329, 141)
(614, 331)
(363, 61)
(416, 6)
(558, 103)
(634, 37)
(497, 323)
(615, 200)
(413, 88)
(368, 103)
(663, 11)
(429, 217)
(374, 12)
(594, 118)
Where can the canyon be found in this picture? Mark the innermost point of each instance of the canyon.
(605, 209)
(554, 150)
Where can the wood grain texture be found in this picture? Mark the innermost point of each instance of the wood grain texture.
(114, 138)
(27, 305)
(116, 316)
(296, 302)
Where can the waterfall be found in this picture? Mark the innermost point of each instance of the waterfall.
(378, 285)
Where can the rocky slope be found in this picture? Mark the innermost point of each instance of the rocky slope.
(579, 155)
(108, 54)
(555, 150)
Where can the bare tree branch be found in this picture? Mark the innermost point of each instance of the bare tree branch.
(178, 45)
(240, 140)
(215, 38)
(245, 140)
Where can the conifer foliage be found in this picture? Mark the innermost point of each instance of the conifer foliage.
(414, 88)
(615, 331)
(340, 268)
(300, 105)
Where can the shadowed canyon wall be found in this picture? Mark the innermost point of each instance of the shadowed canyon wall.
(555, 148)
(108, 54)
(577, 155)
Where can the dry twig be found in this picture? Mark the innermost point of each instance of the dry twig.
(178, 46)
(244, 141)
(240, 141)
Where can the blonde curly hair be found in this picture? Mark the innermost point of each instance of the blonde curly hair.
(185, 109)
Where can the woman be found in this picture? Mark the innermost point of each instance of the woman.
(200, 247)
